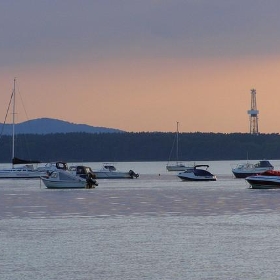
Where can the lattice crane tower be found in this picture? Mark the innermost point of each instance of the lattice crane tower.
(254, 129)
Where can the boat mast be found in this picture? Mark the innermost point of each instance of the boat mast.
(14, 109)
(177, 149)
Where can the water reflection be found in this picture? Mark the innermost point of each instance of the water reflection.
(150, 195)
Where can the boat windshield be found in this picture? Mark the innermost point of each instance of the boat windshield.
(110, 167)
(263, 163)
(54, 175)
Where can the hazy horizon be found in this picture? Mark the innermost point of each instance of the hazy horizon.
(143, 65)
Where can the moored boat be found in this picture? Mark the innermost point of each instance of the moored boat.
(198, 173)
(84, 172)
(109, 171)
(23, 172)
(26, 169)
(62, 179)
(267, 180)
(176, 166)
(244, 170)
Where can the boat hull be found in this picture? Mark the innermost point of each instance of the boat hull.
(196, 178)
(264, 182)
(249, 169)
(20, 174)
(64, 179)
(110, 172)
(53, 184)
(197, 174)
(245, 174)
(176, 167)
(112, 175)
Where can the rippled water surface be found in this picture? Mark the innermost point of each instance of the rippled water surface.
(153, 227)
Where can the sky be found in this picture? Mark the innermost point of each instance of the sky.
(142, 66)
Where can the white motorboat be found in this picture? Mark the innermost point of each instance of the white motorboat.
(267, 180)
(197, 173)
(51, 166)
(177, 166)
(64, 179)
(84, 172)
(109, 171)
(27, 170)
(244, 170)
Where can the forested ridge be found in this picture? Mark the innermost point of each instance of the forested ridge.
(142, 146)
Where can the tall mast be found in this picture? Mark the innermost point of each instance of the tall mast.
(177, 151)
(14, 109)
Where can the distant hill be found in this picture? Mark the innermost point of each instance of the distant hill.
(48, 126)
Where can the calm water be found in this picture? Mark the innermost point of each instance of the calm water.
(153, 227)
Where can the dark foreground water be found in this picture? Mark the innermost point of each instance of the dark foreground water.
(154, 227)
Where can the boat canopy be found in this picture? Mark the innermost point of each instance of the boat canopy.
(23, 161)
(201, 165)
(263, 163)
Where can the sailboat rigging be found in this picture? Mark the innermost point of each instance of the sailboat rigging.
(28, 170)
(178, 166)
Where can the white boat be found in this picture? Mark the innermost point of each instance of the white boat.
(267, 180)
(26, 171)
(84, 172)
(109, 171)
(197, 174)
(23, 172)
(63, 179)
(51, 166)
(177, 166)
(244, 170)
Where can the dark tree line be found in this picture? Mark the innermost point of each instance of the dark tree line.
(140, 146)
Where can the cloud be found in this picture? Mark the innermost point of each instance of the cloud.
(58, 31)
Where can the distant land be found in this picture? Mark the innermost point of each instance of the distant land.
(50, 126)
(140, 146)
(48, 140)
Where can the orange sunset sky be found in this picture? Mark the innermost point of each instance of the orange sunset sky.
(143, 65)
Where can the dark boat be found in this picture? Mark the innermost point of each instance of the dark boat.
(266, 180)
(197, 174)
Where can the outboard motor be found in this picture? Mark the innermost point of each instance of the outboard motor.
(91, 182)
(132, 174)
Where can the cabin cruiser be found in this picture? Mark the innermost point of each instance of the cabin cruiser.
(244, 170)
(109, 171)
(51, 166)
(197, 173)
(84, 172)
(267, 180)
(61, 179)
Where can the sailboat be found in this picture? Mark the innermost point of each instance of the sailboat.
(177, 166)
(24, 171)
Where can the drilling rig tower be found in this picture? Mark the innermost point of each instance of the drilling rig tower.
(254, 129)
